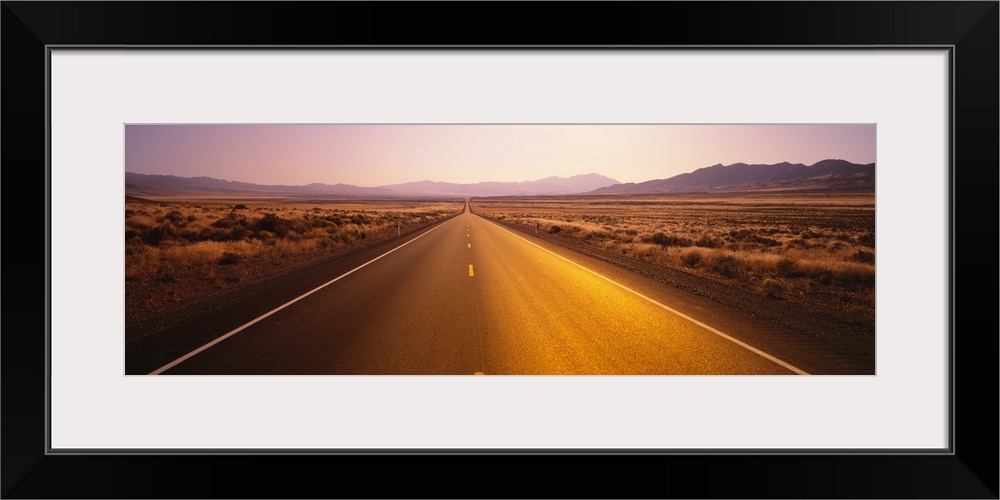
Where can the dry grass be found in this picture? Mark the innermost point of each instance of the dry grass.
(817, 249)
(180, 251)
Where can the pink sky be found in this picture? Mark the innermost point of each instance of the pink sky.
(374, 155)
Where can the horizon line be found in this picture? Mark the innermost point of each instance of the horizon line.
(503, 182)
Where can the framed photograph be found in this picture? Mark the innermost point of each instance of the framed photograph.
(490, 277)
(265, 236)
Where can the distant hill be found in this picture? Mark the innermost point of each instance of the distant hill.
(548, 186)
(171, 185)
(826, 174)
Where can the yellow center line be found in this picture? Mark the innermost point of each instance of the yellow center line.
(470, 270)
(470, 245)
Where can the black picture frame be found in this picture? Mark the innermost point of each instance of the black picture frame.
(970, 470)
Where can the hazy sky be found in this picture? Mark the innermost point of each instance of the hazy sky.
(374, 155)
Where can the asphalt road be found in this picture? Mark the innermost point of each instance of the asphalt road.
(468, 296)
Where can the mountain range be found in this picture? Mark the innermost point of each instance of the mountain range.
(171, 185)
(741, 177)
(738, 177)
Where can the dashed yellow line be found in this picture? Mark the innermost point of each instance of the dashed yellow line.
(470, 245)
(470, 270)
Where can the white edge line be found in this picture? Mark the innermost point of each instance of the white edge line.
(286, 304)
(678, 313)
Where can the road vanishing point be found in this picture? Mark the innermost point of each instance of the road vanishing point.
(468, 296)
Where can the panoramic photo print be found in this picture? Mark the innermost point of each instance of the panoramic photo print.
(275, 249)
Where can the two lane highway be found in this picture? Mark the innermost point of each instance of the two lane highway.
(472, 297)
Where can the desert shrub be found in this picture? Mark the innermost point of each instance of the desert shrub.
(708, 242)
(234, 219)
(142, 262)
(554, 229)
(669, 240)
(773, 287)
(272, 223)
(691, 259)
(803, 244)
(839, 272)
(863, 256)
(156, 235)
(224, 223)
(237, 233)
(190, 236)
(752, 247)
(239, 207)
(727, 265)
(597, 236)
(229, 258)
(204, 252)
(360, 219)
(867, 239)
(353, 234)
(174, 216)
(216, 234)
(769, 242)
(786, 266)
